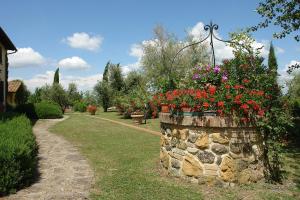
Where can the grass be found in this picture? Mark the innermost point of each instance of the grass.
(152, 124)
(126, 164)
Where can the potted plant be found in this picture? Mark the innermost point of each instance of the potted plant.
(92, 109)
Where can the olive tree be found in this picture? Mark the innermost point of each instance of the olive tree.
(157, 60)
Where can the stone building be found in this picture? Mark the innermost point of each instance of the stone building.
(14, 87)
(5, 46)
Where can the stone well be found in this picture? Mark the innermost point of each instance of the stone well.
(210, 149)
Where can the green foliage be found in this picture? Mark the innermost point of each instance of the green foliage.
(22, 94)
(18, 153)
(41, 110)
(90, 98)
(283, 13)
(73, 94)
(115, 77)
(28, 109)
(293, 93)
(55, 94)
(106, 72)
(36, 96)
(48, 110)
(277, 118)
(80, 106)
(56, 76)
(111, 85)
(158, 56)
(272, 61)
(104, 93)
(133, 80)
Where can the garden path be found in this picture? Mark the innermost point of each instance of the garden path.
(63, 172)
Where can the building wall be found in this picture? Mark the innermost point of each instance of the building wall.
(3, 75)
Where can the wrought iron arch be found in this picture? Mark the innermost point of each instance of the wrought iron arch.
(211, 28)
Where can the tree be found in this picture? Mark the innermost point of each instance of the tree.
(272, 71)
(56, 76)
(158, 56)
(134, 80)
(22, 94)
(55, 94)
(104, 94)
(293, 94)
(103, 89)
(116, 78)
(89, 98)
(73, 94)
(272, 61)
(283, 13)
(36, 96)
(105, 73)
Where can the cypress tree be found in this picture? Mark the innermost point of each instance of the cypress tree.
(56, 76)
(272, 72)
(272, 63)
(105, 73)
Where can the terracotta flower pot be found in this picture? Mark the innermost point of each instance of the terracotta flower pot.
(186, 109)
(165, 108)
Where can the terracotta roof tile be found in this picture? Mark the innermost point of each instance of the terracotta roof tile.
(13, 86)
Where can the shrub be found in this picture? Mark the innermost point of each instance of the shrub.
(42, 110)
(18, 153)
(27, 109)
(48, 110)
(92, 109)
(80, 106)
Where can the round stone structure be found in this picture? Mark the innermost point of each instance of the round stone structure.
(210, 149)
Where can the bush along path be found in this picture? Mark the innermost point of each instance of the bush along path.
(63, 172)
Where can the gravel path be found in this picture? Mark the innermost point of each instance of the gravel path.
(64, 173)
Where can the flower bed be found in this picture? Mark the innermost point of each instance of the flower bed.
(214, 90)
(209, 126)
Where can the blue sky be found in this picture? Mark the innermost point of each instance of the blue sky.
(45, 33)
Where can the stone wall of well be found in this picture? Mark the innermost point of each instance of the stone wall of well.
(210, 150)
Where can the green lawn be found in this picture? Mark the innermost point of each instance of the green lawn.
(126, 164)
(152, 124)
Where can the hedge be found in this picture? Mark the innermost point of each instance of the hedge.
(48, 110)
(18, 152)
(42, 110)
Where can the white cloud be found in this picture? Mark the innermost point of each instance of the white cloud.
(284, 76)
(279, 50)
(83, 82)
(26, 57)
(136, 50)
(84, 41)
(223, 50)
(73, 63)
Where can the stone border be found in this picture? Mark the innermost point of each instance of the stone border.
(200, 121)
(210, 149)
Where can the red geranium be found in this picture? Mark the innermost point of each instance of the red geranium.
(220, 104)
(246, 80)
(212, 89)
(205, 105)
